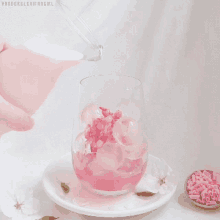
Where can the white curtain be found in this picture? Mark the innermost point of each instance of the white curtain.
(173, 46)
(182, 87)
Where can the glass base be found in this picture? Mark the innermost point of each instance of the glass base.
(89, 188)
(111, 193)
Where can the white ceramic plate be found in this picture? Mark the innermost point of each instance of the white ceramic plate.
(81, 201)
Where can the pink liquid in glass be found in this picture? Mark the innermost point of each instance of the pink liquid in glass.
(124, 178)
(117, 159)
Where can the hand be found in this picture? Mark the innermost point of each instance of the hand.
(27, 78)
(13, 118)
(25, 81)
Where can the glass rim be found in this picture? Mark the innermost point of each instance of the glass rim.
(108, 75)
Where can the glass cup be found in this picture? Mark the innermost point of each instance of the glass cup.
(110, 149)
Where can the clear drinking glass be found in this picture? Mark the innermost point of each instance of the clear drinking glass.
(110, 149)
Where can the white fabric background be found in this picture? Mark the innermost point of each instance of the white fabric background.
(173, 46)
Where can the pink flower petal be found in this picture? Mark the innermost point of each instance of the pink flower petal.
(148, 183)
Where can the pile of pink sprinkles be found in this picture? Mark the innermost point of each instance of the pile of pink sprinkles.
(203, 187)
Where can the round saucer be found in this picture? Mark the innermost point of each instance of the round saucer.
(79, 200)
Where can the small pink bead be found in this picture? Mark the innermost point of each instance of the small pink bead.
(215, 187)
(206, 173)
(194, 196)
(214, 198)
(207, 199)
(197, 173)
(203, 201)
(195, 192)
(200, 189)
(199, 181)
(204, 193)
(211, 203)
(199, 200)
(190, 192)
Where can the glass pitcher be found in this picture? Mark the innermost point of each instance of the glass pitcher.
(110, 150)
(70, 31)
(76, 23)
(65, 35)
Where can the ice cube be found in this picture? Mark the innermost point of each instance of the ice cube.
(80, 143)
(131, 166)
(89, 113)
(79, 161)
(107, 161)
(136, 151)
(110, 156)
(127, 132)
(87, 148)
(96, 168)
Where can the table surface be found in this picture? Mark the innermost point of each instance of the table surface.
(183, 123)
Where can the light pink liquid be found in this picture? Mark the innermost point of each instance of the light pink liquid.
(115, 162)
(124, 178)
